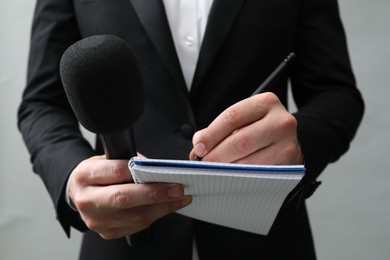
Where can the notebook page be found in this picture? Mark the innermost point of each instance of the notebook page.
(247, 200)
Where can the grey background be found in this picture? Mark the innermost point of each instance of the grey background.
(350, 212)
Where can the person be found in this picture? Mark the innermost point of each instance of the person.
(200, 62)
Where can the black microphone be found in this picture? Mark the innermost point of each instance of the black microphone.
(103, 83)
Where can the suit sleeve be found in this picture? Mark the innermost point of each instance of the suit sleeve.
(330, 107)
(46, 121)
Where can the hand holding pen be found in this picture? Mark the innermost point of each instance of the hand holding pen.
(256, 130)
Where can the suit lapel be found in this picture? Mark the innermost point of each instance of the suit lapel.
(152, 16)
(221, 18)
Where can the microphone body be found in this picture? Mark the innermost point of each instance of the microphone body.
(122, 146)
(101, 77)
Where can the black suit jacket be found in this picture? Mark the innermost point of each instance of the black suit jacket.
(244, 41)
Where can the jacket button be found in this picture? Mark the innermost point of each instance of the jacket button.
(187, 131)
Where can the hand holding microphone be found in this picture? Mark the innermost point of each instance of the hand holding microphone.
(104, 87)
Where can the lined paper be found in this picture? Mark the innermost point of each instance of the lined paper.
(240, 196)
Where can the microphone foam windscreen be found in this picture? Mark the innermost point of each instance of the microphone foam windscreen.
(103, 83)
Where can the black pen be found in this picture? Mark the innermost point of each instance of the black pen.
(276, 74)
(273, 77)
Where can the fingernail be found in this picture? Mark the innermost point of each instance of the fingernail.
(186, 201)
(200, 150)
(175, 192)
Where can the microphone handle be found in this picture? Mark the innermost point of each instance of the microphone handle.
(122, 146)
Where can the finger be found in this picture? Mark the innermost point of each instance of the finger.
(137, 219)
(276, 127)
(242, 143)
(124, 196)
(235, 117)
(100, 171)
(275, 154)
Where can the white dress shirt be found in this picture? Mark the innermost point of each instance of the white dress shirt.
(187, 20)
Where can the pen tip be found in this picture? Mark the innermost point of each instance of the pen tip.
(196, 158)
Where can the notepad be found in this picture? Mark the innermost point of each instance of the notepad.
(240, 196)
